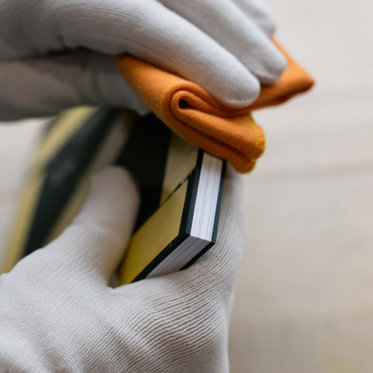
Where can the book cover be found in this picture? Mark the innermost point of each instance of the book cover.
(183, 220)
(180, 188)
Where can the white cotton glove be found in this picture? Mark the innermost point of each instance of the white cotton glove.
(57, 313)
(222, 45)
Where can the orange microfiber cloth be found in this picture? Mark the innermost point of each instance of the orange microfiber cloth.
(197, 117)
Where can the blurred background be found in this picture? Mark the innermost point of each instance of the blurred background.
(304, 297)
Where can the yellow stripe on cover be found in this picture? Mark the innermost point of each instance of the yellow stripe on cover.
(17, 241)
(64, 127)
(154, 235)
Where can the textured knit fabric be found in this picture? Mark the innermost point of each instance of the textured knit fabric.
(196, 116)
(57, 313)
(221, 45)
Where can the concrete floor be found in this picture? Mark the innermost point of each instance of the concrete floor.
(304, 299)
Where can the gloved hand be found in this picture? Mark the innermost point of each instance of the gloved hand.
(222, 45)
(57, 313)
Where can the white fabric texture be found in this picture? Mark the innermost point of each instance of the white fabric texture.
(222, 45)
(57, 313)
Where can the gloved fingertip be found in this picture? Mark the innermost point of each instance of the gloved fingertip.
(274, 69)
(268, 25)
(240, 95)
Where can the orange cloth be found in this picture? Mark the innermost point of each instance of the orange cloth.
(197, 117)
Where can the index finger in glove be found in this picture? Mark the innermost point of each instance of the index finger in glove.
(236, 31)
(147, 30)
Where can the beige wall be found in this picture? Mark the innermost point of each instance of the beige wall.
(304, 300)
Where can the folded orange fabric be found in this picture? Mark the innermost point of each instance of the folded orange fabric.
(197, 117)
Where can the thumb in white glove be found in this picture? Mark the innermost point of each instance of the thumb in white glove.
(58, 314)
(222, 45)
